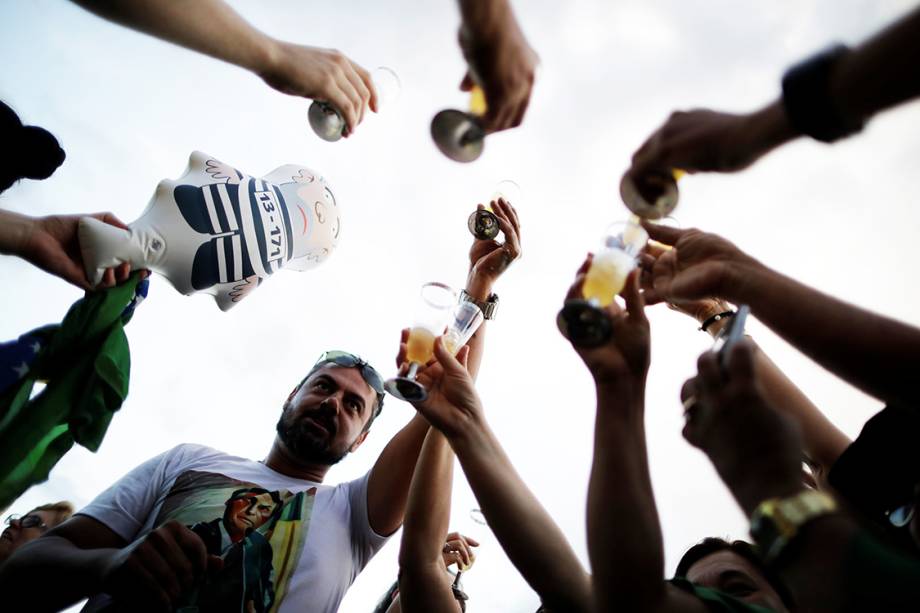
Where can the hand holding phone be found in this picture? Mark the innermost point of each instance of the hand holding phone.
(730, 335)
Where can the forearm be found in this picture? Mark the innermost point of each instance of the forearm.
(529, 536)
(874, 353)
(424, 589)
(388, 486)
(482, 18)
(207, 26)
(624, 535)
(15, 230)
(879, 73)
(479, 288)
(428, 509)
(75, 573)
(823, 441)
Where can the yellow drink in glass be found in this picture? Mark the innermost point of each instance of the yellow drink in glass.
(420, 347)
(451, 342)
(478, 101)
(607, 276)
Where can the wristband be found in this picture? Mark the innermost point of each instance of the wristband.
(776, 523)
(488, 307)
(807, 98)
(717, 317)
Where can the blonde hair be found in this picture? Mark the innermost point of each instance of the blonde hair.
(62, 510)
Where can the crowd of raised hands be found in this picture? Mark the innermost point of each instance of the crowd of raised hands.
(834, 522)
(828, 553)
(843, 535)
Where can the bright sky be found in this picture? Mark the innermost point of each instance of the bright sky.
(128, 109)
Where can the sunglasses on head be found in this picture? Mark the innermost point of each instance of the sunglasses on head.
(350, 360)
(27, 521)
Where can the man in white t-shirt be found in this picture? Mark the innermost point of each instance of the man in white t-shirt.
(195, 529)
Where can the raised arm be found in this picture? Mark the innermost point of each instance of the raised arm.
(500, 61)
(823, 441)
(423, 581)
(624, 534)
(876, 75)
(489, 259)
(213, 28)
(388, 487)
(876, 354)
(533, 542)
(826, 559)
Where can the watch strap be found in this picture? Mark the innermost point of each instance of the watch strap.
(776, 522)
(488, 306)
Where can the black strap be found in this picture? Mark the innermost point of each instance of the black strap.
(807, 98)
(717, 317)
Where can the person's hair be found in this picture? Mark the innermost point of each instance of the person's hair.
(62, 511)
(28, 152)
(711, 545)
(375, 410)
(258, 491)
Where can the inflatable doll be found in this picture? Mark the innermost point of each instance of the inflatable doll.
(219, 231)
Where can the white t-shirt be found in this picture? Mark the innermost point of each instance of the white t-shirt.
(298, 544)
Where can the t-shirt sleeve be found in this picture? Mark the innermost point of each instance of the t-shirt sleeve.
(128, 503)
(365, 542)
(878, 471)
(716, 601)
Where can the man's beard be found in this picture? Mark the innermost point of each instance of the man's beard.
(303, 442)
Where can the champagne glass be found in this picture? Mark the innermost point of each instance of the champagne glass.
(459, 134)
(651, 196)
(583, 321)
(465, 319)
(328, 122)
(482, 223)
(431, 316)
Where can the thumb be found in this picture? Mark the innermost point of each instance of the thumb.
(666, 235)
(448, 362)
(741, 361)
(635, 305)
(110, 219)
(463, 356)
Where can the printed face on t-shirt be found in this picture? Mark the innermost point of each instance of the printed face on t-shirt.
(266, 529)
(247, 511)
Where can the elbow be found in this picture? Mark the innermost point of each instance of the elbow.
(575, 596)
(416, 563)
(636, 598)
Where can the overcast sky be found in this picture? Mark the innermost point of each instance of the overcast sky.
(129, 109)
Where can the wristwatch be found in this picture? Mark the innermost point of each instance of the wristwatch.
(807, 99)
(488, 307)
(776, 522)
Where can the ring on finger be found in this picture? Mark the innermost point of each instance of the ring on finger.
(690, 403)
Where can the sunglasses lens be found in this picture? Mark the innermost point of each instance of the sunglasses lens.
(901, 516)
(349, 360)
(373, 378)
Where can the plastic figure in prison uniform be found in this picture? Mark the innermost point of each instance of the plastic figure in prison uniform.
(220, 231)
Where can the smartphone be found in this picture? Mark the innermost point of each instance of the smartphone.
(730, 335)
